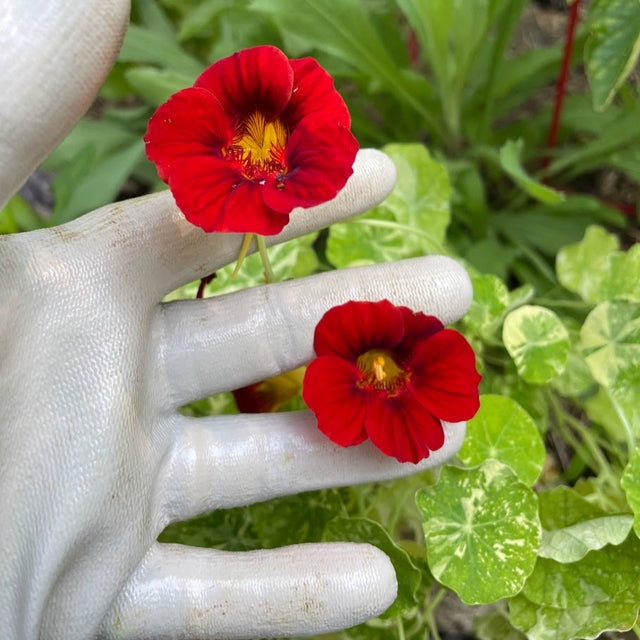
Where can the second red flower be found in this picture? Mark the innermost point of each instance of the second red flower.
(391, 375)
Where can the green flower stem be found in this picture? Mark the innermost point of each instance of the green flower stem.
(268, 271)
(401, 635)
(243, 253)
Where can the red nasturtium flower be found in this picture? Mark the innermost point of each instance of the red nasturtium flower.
(391, 375)
(256, 136)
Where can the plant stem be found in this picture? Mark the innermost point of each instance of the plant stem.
(561, 86)
(430, 608)
(203, 283)
(268, 271)
(243, 253)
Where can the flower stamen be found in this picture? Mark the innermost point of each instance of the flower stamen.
(380, 372)
(259, 147)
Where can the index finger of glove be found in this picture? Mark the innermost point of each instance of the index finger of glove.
(207, 346)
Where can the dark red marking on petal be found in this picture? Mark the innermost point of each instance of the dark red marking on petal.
(256, 79)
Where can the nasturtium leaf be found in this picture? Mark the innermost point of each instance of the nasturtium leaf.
(582, 267)
(488, 306)
(597, 270)
(601, 575)
(614, 47)
(576, 379)
(411, 222)
(503, 430)
(541, 622)
(510, 161)
(610, 340)
(481, 531)
(530, 397)
(342, 529)
(537, 341)
(631, 484)
(572, 526)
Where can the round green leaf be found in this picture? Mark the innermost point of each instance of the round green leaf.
(537, 341)
(481, 530)
(503, 430)
(581, 267)
(600, 576)
(610, 340)
(597, 270)
(489, 304)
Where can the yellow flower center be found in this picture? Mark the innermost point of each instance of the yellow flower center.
(259, 147)
(380, 371)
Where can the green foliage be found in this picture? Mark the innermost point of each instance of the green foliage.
(537, 341)
(543, 505)
(504, 431)
(412, 221)
(581, 599)
(597, 270)
(510, 161)
(481, 531)
(614, 47)
(573, 526)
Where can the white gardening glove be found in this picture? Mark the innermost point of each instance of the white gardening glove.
(95, 460)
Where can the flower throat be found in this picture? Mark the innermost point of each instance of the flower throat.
(258, 147)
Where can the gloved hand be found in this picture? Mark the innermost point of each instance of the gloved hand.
(95, 460)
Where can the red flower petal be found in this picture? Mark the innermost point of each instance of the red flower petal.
(354, 328)
(256, 79)
(419, 326)
(215, 197)
(320, 156)
(330, 391)
(191, 123)
(401, 427)
(444, 376)
(314, 93)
